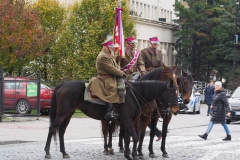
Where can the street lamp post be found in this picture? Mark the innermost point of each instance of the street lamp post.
(174, 51)
(235, 47)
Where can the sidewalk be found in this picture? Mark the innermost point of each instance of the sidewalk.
(36, 129)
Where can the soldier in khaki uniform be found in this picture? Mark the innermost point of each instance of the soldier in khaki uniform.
(152, 57)
(105, 85)
(132, 63)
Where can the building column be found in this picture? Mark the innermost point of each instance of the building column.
(134, 5)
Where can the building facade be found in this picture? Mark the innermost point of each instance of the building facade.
(155, 18)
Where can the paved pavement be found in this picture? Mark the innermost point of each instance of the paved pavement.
(25, 140)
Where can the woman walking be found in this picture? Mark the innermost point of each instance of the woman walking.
(219, 109)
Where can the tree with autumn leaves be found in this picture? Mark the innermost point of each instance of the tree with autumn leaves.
(73, 56)
(21, 36)
(62, 43)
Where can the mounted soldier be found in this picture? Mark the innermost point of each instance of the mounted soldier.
(132, 64)
(105, 84)
(152, 57)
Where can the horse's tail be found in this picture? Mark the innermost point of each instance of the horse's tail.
(53, 109)
(110, 127)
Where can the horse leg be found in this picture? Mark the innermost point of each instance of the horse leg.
(132, 132)
(52, 131)
(126, 143)
(142, 135)
(62, 130)
(121, 138)
(152, 134)
(105, 133)
(111, 129)
(166, 121)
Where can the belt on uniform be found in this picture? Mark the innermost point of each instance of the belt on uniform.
(106, 75)
(150, 68)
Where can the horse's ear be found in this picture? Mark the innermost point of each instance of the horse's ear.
(164, 67)
(194, 75)
(184, 73)
(175, 67)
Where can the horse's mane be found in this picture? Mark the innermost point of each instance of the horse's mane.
(149, 89)
(153, 75)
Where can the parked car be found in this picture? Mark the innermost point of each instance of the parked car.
(234, 103)
(20, 97)
(194, 105)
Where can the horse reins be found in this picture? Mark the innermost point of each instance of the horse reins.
(143, 100)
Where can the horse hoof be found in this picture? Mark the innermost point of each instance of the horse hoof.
(128, 158)
(121, 150)
(48, 156)
(136, 158)
(105, 152)
(165, 155)
(111, 151)
(66, 156)
(141, 157)
(152, 155)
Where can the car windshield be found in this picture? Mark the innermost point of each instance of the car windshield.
(236, 93)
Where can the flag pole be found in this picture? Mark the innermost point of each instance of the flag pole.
(119, 6)
(118, 30)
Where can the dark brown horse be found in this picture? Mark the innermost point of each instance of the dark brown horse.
(164, 73)
(185, 84)
(69, 96)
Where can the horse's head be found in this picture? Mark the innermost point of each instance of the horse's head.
(169, 100)
(185, 83)
(168, 72)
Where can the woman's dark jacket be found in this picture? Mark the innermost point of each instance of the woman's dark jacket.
(209, 92)
(220, 107)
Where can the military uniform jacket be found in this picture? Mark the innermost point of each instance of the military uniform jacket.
(105, 85)
(138, 66)
(151, 57)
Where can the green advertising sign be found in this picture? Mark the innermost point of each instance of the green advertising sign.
(31, 90)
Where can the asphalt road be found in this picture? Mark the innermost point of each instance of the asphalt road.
(84, 140)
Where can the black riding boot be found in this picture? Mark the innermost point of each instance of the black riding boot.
(228, 138)
(109, 112)
(204, 136)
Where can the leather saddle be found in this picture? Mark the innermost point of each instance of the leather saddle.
(89, 96)
(93, 95)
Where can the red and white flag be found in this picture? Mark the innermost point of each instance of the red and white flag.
(118, 31)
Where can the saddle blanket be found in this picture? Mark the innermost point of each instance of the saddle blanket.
(88, 98)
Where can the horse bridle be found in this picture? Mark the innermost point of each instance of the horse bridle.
(168, 106)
